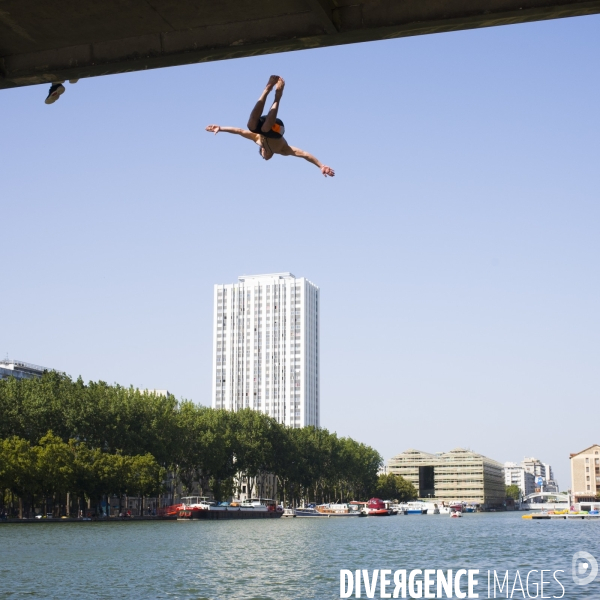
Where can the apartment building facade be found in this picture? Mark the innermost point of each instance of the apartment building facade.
(540, 469)
(585, 474)
(515, 474)
(456, 476)
(266, 347)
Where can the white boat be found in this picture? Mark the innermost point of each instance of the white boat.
(339, 510)
(414, 508)
(432, 508)
(329, 510)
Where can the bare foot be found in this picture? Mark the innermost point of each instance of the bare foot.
(279, 85)
(272, 81)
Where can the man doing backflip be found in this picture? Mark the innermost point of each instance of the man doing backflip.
(267, 130)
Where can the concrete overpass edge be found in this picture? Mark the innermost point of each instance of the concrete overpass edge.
(82, 61)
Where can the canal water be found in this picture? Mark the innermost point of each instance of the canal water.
(284, 559)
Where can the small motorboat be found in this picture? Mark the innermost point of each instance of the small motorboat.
(455, 514)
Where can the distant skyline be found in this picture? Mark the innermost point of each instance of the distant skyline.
(456, 249)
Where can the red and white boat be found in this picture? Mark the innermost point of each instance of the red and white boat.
(170, 511)
(377, 508)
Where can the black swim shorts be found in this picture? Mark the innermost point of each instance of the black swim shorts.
(276, 132)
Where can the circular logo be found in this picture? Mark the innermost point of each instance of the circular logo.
(584, 568)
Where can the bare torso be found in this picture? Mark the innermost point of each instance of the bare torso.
(272, 145)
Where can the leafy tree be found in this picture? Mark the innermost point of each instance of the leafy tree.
(54, 466)
(513, 491)
(18, 468)
(395, 487)
(146, 476)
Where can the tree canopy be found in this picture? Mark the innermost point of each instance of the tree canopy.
(513, 491)
(58, 435)
(395, 487)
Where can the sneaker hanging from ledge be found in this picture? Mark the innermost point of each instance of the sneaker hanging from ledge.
(56, 89)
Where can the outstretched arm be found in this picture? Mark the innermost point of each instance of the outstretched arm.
(243, 132)
(291, 151)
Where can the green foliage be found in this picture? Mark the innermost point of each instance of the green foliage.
(61, 436)
(17, 467)
(146, 475)
(513, 491)
(395, 487)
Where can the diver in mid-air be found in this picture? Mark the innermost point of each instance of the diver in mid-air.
(267, 130)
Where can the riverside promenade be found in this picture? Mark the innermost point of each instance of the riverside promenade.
(88, 520)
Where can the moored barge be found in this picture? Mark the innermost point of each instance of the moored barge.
(197, 507)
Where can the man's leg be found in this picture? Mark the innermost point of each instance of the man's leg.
(56, 89)
(272, 116)
(257, 111)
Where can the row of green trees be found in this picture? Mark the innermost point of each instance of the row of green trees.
(48, 472)
(107, 439)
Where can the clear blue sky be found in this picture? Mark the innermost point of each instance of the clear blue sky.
(457, 248)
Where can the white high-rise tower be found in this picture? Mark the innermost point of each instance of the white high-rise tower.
(266, 347)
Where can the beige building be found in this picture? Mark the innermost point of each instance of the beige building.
(456, 476)
(585, 474)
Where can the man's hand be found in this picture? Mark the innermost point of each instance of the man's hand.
(327, 171)
(214, 128)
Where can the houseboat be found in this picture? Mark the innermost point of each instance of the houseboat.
(340, 510)
(199, 507)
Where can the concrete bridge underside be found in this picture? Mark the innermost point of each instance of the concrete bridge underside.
(43, 41)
